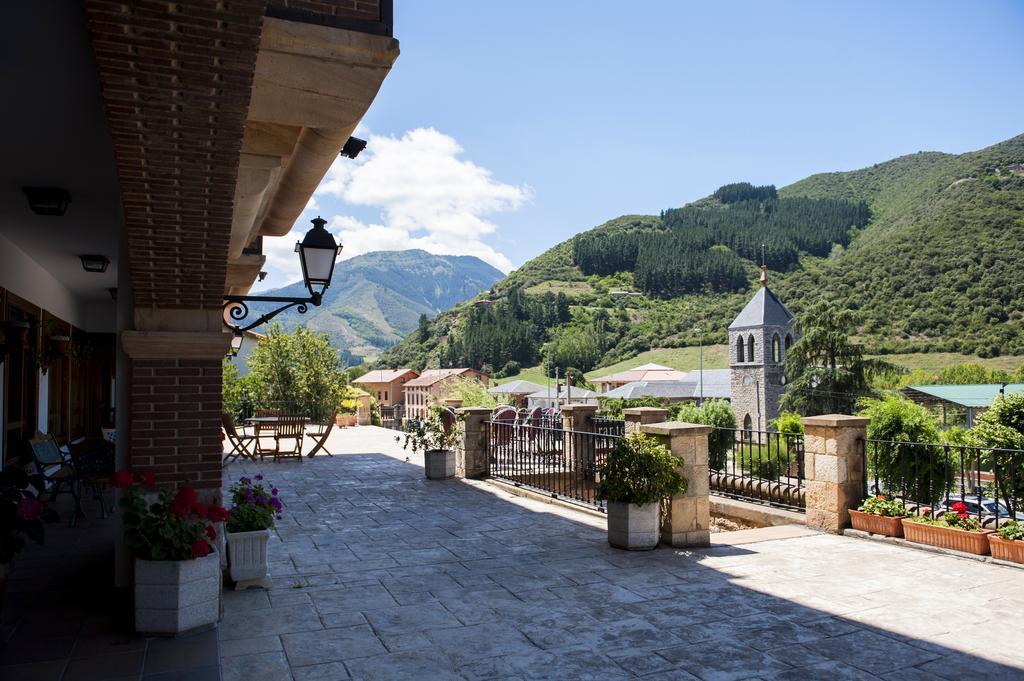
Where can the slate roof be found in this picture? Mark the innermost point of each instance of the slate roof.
(716, 385)
(517, 387)
(764, 309)
(549, 394)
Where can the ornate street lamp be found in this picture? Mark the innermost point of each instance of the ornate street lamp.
(317, 252)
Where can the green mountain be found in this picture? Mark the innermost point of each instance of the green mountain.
(927, 248)
(376, 299)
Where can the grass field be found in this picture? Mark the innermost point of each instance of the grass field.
(716, 357)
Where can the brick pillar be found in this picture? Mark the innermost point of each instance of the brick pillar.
(471, 452)
(641, 416)
(579, 449)
(175, 406)
(687, 519)
(833, 468)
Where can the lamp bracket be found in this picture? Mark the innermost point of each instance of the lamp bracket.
(237, 308)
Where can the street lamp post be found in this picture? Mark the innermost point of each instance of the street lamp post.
(317, 252)
(700, 398)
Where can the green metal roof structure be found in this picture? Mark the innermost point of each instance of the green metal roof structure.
(971, 396)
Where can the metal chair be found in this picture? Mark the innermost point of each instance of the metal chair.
(289, 427)
(242, 445)
(57, 472)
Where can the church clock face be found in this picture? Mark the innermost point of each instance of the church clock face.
(746, 380)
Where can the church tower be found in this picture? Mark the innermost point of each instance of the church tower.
(759, 339)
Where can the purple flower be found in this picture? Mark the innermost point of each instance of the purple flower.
(259, 476)
(248, 495)
(245, 481)
(275, 503)
(273, 490)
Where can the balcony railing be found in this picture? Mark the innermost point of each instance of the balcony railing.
(757, 465)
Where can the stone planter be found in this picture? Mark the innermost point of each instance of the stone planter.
(176, 596)
(876, 524)
(947, 537)
(634, 527)
(1006, 549)
(439, 464)
(247, 558)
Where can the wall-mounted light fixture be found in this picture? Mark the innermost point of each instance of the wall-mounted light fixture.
(95, 263)
(352, 147)
(47, 200)
(317, 252)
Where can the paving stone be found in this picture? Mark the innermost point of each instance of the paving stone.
(250, 646)
(411, 618)
(405, 666)
(328, 671)
(249, 667)
(331, 645)
(270, 622)
(727, 661)
(352, 599)
(872, 652)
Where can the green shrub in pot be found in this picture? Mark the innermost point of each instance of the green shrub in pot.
(639, 470)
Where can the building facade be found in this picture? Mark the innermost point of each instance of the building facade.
(432, 387)
(386, 385)
(759, 338)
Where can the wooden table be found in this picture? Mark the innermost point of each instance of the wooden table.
(274, 420)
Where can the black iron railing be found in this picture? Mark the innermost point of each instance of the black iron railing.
(607, 426)
(550, 459)
(928, 478)
(757, 465)
(392, 417)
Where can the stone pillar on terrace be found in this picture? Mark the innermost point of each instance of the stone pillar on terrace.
(833, 468)
(686, 519)
(579, 449)
(641, 416)
(471, 450)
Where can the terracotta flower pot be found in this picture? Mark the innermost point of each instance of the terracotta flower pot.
(947, 537)
(876, 524)
(1006, 549)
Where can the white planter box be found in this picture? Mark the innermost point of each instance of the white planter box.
(635, 527)
(176, 596)
(439, 464)
(247, 558)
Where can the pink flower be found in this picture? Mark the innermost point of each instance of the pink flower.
(29, 508)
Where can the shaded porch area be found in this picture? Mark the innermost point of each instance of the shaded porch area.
(381, 574)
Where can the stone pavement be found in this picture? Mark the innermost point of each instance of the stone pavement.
(381, 574)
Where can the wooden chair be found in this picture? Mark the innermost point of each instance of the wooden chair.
(58, 472)
(265, 430)
(289, 427)
(321, 431)
(242, 445)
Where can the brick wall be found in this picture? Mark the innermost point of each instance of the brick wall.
(368, 10)
(175, 420)
(175, 78)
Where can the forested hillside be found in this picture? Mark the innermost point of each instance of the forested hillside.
(927, 248)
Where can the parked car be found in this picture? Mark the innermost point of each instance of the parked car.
(988, 507)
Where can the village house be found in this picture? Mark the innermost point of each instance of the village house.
(432, 387)
(644, 372)
(386, 385)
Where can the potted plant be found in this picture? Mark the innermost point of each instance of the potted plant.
(436, 437)
(879, 515)
(60, 343)
(177, 571)
(954, 529)
(254, 508)
(638, 474)
(22, 515)
(1007, 543)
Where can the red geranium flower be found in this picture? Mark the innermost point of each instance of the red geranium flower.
(201, 510)
(218, 514)
(210, 532)
(146, 477)
(200, 549)
(959, 507)
(122, 479)
(187, 495)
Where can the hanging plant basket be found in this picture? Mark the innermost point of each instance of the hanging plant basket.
(60, 344)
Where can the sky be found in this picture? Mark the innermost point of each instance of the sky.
(506, 128)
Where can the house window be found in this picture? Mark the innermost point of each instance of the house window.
(739, 348)
(750, 348)
(385, 395)
(748, 427)
(776, 349)
(789, 341)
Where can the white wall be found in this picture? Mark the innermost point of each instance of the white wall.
(26, 278)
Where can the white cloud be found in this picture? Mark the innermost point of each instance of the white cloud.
(428, 197)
